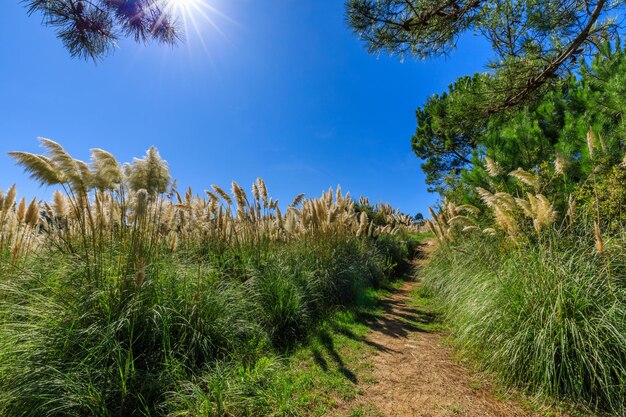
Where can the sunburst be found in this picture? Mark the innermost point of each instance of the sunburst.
(194, 13)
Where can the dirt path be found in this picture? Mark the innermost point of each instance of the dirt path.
(415, 373)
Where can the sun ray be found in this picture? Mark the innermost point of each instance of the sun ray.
(219, 13)
(184, 17)
(195, 13)
(210, 21)
(200, 37)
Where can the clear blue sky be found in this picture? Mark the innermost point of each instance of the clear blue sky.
(286, 92)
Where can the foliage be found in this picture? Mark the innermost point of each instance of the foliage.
(549, 317)
(447, 134)
(453, 142)
(119, 300)
(310, 382)
(530, 268)
(534, 282)
(534, 42)
(91, 28)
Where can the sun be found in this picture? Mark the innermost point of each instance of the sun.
(184, 8)
(180, 5)
(195, 13)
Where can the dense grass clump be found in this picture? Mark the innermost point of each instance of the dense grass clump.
(548, 316)
(75, 350)
(120, 297)
(71, 349)
(533, 277)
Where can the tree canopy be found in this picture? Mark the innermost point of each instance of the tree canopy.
(454, 142)
(534, 41)
(90, 28)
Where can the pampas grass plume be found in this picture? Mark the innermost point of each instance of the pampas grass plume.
(591, 139)
(222, 194)
(560, 163)
(21, 210)
(39, 168)
(493, 168)
(32, 213)
(296, 201)
(59, 204)
(525, 177)
(598, 238)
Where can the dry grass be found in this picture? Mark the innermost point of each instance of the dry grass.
(106, 204)
(537, 297)
(122, 293)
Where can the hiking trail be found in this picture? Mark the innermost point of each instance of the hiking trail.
(414, 369)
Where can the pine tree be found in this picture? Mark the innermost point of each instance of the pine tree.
(534, 41)
(89, 29)
(453, 141)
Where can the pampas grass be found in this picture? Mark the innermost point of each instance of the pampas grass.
(107, 171)
(39, 167)
(297, 200)
(538, 298)
(591, 142)
(525, 177)
(493, 168)
(542, 317)
(560, 163)
(120, 290)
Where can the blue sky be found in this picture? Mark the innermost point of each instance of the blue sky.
(284, 92)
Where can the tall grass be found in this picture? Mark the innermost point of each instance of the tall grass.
(534, 284)
(121, 297)
(550, 317)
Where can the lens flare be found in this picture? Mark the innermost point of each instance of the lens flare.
(193, 14)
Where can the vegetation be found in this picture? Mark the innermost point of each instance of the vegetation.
(91, 28)
(121, 297)
(557, 70)
(546, 318)
(453, 142)
(534, 284)
(529, 161)
(534, 42)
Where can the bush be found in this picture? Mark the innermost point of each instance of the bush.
(282, 310)
(72, 350)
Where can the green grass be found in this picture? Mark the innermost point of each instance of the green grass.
(123, 298)
(365, 411)
(329, 366)
(430, 312)
(548, 318)
(268, 330)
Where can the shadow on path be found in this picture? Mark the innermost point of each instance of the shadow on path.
(327, 342)
(390, 316)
